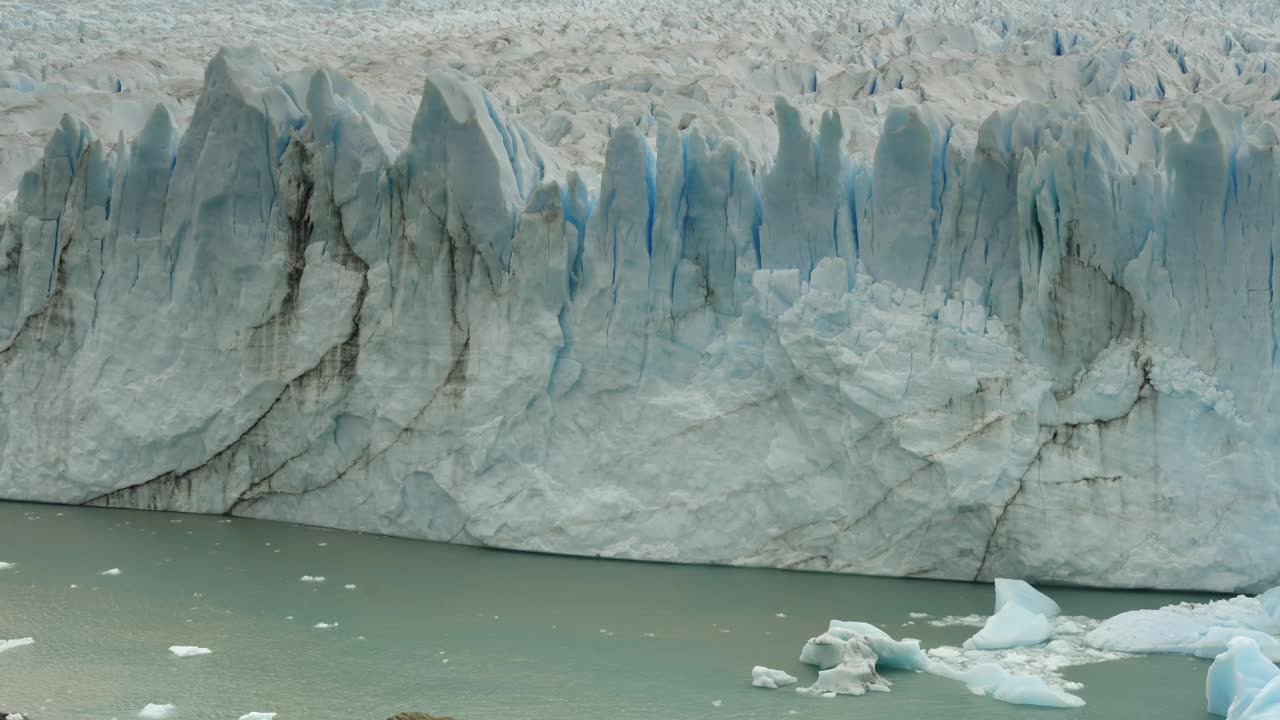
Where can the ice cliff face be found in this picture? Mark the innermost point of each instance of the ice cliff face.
(1044, 349)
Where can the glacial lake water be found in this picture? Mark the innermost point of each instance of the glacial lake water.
(527, 637)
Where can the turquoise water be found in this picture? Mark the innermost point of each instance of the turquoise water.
(527, 637)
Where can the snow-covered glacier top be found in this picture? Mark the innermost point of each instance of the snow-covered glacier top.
(571, 70)
(943, 292)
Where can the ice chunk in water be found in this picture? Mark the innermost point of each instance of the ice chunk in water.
(11, 644)
(1237, 677)
(991, 679)
(764, 677)
(1012, 626)
(154, 711)
(1018, 592)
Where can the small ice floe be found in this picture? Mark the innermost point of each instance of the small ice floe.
(918, 615)
(325, 625)
(155, 711)
(763, 677)
(716, 703)
(5, 565)
(349, 586)
(188, 650)
(112, 571)
(74, 586)
(312, 578)
(17, 643)
(16, 716)
(994, 680)
(446, 660)
(360, 637)
(288, 617)
(257, 716)
(780, 615)
(321, 544)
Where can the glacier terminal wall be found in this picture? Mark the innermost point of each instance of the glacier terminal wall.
(1042, 345)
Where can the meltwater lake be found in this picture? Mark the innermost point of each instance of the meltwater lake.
(473, 633)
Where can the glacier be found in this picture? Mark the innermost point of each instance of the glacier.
(1032, 335)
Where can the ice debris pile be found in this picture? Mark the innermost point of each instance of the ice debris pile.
(1017, 653)
(901, 322)
(850, 655)
(1007, 662)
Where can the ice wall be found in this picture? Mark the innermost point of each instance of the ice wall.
(1044, 350)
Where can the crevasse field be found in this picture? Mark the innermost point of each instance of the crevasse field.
(960, 291)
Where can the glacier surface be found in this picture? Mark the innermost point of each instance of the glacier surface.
(1015, 318)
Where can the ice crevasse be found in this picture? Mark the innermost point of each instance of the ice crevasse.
(1044, 350)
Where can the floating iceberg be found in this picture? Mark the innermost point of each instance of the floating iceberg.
(17, 643)
(853, 673)
(5, 565)
(258, 716)
(848, 654)
(1243, 684)
(1012, 626)
(112, 571)
(769, 678)
(1020, 593)
(155, 711)
(1201, 629)
(188, 650)
(1021, 618)
(312, 578)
